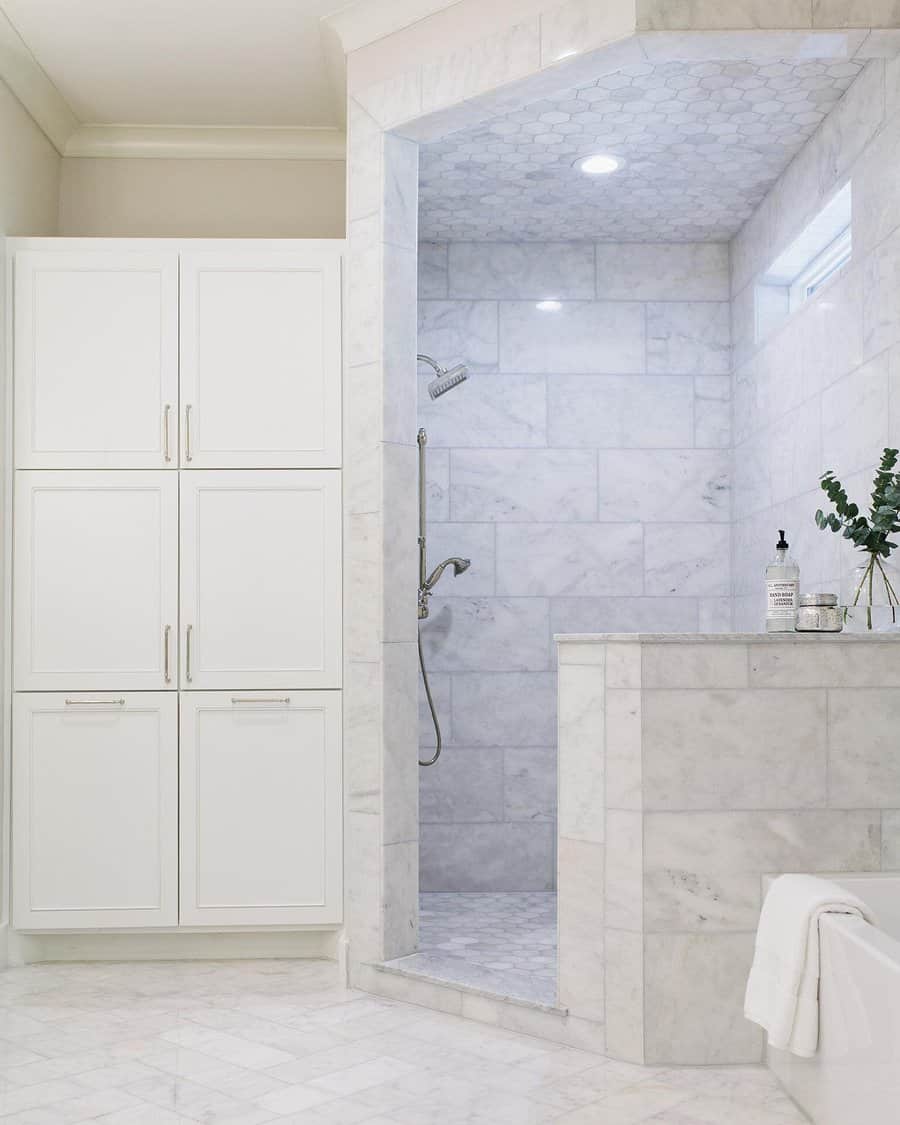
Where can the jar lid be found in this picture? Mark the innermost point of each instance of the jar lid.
(819, 599)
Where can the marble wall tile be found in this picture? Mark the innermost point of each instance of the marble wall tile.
(504, 709)
(856, 13)
(623, 900)
(665, 486)
(704, 869)
(593, 559)
(818, 663)
(687, 973)
(725, 15)
(687, 559)
(487, 634)
(362, 736)
(398, 365)
(401, 191)
(363, 905)
(623, 754)
(433, 275)
(582, 752)
(694, 666)
(474, 541)
(737, 749)
(365, 155)
(399, 575)
(529, 784)
(459, 332)
(401, 899)
(364, 291)
(624, 995)
(463, 786)
(362, 417)
(662, 271)
(532, 270)
(514, 856)
(689, 337)
(880, 289)
(620, 411)
(440, 693)
(712, 412)
(715, 615)
(487, 412)
(863, 765)
(394, 100)
(363, 572)
(400, 723)
(437, 485)
(523, 486)
(623, 615)
(582, 337)
(623, 665)
(833, 327)
(473, 69)
(580, 25)
(876, 185)
(890, 839)
(581, 953)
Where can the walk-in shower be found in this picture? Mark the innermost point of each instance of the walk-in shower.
(445, 379)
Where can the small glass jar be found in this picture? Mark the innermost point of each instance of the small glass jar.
(819, 613)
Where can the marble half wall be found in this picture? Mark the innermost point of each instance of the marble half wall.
(690, 769)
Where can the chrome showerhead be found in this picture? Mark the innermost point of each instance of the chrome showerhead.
(445, 379)
(448, 380)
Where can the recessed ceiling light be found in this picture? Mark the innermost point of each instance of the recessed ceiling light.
(600, 164)
(549, 306)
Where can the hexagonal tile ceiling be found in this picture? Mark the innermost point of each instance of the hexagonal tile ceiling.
(702, 143)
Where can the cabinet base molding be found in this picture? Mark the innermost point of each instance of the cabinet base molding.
(18, 948)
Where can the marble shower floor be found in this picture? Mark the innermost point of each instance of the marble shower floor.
(504, 944)
(258, 1042)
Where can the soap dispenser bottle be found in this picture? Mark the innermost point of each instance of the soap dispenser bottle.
(782, 590)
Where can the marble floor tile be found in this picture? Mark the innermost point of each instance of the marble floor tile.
(193, 1042)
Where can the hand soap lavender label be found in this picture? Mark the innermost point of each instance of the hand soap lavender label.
(783, 597)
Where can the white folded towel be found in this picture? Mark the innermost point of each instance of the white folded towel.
(783, 987)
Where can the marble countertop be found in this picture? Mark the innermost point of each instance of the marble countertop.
(727, 638)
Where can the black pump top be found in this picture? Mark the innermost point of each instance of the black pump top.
(782, 544)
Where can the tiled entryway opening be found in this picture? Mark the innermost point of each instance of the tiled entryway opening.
(501, 943)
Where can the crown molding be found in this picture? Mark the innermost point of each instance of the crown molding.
(207, 142)
(20, 71)
(364, 21)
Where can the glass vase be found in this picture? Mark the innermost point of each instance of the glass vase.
(871, 596)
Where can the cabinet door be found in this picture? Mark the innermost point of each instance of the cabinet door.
(95, 581)
(260, 579)
(96, 359)
(261, 359)
(260, 808)
(95, 810)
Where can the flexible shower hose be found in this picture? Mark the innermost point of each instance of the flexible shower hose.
(437, 726)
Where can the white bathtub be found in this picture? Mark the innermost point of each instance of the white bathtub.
(854, 1078)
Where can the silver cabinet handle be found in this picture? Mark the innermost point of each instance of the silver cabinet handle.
(166, 673)
(187, 432)
(167, 410)
(247, 699)
(95, 702)
(187, 653)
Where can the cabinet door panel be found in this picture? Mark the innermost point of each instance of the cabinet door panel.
(96, 359)
(260, 358)
(95, 580)
(260, 808)
(260, 579)
(95, 810)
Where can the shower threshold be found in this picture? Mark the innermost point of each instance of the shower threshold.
(499, 944)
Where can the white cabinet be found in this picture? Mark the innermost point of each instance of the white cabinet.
(260, 579)
(260, 814)
(260, 358)
(95, 580)
(95, 810)
(96, 359)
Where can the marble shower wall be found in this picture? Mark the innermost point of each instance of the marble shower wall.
(824, 391)
(584, 468)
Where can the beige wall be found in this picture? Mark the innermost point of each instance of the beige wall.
(202, 198)
(29, 172)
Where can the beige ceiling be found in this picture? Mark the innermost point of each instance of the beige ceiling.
(184, 62)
